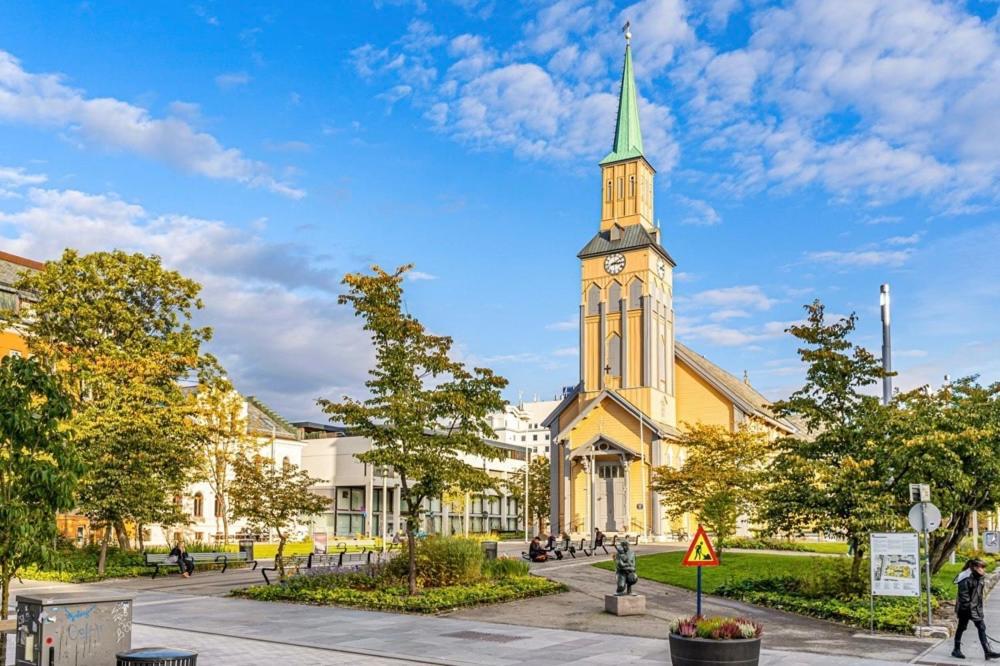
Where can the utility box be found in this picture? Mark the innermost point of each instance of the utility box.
(490, 550)
(246, 546)
(72, 629)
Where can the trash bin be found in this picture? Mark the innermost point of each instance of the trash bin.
(246, 546)
(490, 550)
(72, 629)
(157, 656)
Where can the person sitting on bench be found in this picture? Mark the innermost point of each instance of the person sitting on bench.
(535, 551)
(184, 561)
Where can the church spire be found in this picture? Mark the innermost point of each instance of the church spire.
(628, 137)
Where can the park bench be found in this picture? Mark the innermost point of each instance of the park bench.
(157, 560)
(680, 535)
(564, 546)
(315, 563)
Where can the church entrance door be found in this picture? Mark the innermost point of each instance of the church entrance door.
(610, 497)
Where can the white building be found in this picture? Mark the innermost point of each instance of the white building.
(360, 492)
(522, 424)
(276, 439)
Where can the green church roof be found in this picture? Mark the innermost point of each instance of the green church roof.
(628, 137)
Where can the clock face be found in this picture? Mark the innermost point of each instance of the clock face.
(661, 267)
(614, 264)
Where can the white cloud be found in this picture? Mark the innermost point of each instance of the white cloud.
(12, 178)
(723, 315)
(566, 351)
(912, 239)
(43, 99)
(702, 213)
(278, 329)
(862, 258)
(751, 296)
(418, 276)
(230, 80)
(570, 324)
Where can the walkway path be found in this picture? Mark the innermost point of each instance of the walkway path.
(582, 609)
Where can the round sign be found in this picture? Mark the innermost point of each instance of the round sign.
(924, 517)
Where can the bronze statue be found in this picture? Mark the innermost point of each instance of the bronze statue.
(625, 568)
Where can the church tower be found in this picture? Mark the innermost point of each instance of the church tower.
(610, 432)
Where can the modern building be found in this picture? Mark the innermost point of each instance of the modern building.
(366, 501)
(637, 385)
(522, 424)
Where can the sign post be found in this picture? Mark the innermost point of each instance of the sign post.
(925, 517)
(895, 566)
(700, 554)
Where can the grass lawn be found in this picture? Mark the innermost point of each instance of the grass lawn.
(802, 584)
(825, 547)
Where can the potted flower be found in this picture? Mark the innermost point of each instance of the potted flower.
(715, 641)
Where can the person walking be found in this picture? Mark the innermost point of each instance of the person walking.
(969, 606)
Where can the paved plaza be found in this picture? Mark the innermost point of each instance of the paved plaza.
(569, 628)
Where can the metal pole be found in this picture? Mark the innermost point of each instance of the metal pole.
(886, 345)
(698, 605)
(527, 515)
(385, 510)
(872, 601)
(927, 553)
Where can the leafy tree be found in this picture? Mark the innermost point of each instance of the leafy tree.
(425, 410)
(838, 477)
(39, 468)
(117, 327)
(951, 440)
(538, 491)
(721, 478)
(221, 417)
(273, 497)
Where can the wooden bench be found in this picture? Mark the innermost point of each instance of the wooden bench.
(157, 560)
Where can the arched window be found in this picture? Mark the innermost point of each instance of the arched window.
(220, 509)
(609, 190)
(635, 294)
(593, 299)
(199, 505)
(615, 355)
(631, 186)
(614, 295)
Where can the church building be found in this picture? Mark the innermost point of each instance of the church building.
(638, 386)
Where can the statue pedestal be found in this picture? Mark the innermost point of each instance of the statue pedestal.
(631, 604)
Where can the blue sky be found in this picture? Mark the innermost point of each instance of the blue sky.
(804, 150)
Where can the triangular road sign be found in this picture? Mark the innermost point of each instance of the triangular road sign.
(700, 553)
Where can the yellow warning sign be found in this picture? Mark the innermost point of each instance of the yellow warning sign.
(700, 553)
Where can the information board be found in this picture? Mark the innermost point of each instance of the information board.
(895, 560)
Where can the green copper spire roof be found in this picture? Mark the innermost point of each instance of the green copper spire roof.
(628, 137)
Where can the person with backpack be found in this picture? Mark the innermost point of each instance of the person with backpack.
(971, 584)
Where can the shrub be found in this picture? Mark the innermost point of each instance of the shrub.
(745, 543)
(716, 628)
(441, 561)
(503, 568)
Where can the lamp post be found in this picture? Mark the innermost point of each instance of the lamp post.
(886, 344)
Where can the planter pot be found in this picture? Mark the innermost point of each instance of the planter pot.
(704, 652)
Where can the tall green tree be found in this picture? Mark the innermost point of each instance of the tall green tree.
(117, 328)
(273, 498)
(721, 478)
(951, 440)
(425, 409)
(39, 468)
(538, 492)
(839, 476)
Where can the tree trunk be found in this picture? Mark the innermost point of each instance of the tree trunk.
(859, 556)
(225, 523)
(4, 601)
(139, 537)
(122, 532)
(946, 541)
(104, 548)
(279, 557)
(411, 543)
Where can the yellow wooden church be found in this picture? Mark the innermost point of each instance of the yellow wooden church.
(638, 385)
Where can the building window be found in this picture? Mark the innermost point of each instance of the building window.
(593, 299)
(609, 190)
(615, 355)
(635, 294)
(534, 438)
(220, 509)
(609, 471)
(199, 505)
(614, 295)
(8, 300)
(524, 438)
(199, 536)
(631, 187)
